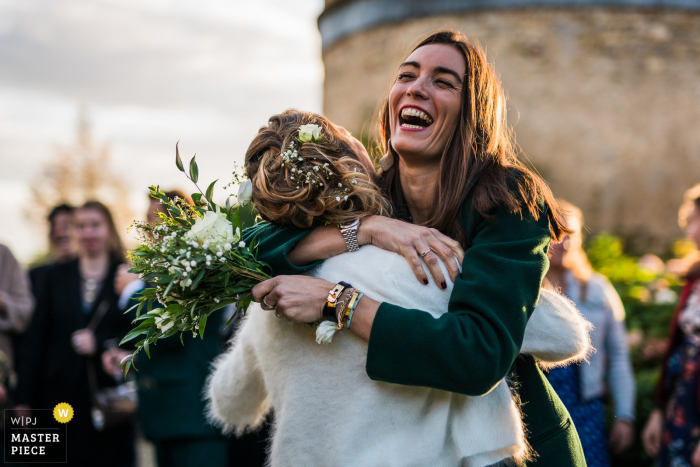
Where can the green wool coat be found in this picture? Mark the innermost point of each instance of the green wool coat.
(171, 383)
(477, 343)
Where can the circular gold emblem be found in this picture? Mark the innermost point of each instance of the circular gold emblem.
(63, 412)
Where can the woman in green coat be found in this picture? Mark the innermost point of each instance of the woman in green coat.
(450, 172)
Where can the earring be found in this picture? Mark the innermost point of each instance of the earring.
(387, 161)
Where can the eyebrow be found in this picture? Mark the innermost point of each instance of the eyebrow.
(439, 69)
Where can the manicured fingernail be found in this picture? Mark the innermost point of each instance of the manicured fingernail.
(444, 286)
(425, 281)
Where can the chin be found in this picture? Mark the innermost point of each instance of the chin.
(403, 145)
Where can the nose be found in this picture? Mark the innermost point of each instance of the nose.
(417, 89)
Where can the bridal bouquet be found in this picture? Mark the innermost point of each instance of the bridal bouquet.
(196, 262)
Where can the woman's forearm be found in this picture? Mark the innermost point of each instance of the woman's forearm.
(363, 317)
(322, 243)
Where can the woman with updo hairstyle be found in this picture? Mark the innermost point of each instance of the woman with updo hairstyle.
(459, 196)
(672, 433)
(316, 179)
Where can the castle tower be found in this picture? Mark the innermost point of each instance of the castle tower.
(604, 95)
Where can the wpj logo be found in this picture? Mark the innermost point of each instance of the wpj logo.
(40, 437)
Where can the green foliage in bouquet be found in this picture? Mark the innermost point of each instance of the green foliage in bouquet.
(195, 261)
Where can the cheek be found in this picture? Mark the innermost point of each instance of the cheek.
(394, 97)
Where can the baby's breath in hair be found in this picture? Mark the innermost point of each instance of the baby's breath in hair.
(304, 170)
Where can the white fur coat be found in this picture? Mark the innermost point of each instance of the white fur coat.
(329, 413)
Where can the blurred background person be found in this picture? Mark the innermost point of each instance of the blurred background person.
(61, 244)
(171, 381)
(581, 387)
(673, 429)
(61, 249)
(16, 307)
(76, 318)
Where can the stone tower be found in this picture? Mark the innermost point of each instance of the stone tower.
(604, 95)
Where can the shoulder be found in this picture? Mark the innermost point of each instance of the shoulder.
(503, 224)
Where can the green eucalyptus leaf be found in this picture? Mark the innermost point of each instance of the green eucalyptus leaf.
(235, 313)
(210, 191)
(194, 171)
(170, 286)
(223, 303)
(195, 283)
(202, 325)
(135, 333)
(178, 161)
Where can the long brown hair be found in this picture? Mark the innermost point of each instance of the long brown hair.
(342, 191)
(116, 248)
(480, 160)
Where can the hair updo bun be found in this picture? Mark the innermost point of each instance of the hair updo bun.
(325, 182)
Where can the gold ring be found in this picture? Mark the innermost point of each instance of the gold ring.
(422, 255)
(267, 304)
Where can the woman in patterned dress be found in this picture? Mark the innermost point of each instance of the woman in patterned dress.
(673, 430)
(581, 387)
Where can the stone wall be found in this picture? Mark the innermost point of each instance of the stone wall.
(604, 102)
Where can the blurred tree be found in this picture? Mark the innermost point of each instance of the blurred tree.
(79, 173)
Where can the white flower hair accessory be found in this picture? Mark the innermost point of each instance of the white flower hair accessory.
(309, 133)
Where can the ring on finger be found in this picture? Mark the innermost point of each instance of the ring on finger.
(422, 255)
(267, 304)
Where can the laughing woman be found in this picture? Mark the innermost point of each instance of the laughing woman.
(451, 172)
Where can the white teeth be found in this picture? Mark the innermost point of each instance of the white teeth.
(410, 111)
(406, 125)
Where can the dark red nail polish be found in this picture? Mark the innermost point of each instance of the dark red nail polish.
(444, 286)
(425, 281)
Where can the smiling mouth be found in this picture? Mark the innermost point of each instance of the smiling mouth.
(414, 119)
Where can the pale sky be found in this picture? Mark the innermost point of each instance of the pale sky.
(149, 72)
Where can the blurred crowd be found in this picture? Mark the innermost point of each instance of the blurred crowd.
(60, 330)
(62, 322)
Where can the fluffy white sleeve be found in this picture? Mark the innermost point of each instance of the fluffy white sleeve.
(557, 333)
(237, 398)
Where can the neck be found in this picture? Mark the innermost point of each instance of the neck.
(94, 264)
(418, 186)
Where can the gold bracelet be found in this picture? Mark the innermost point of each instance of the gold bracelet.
(349, 305)
(342, 306)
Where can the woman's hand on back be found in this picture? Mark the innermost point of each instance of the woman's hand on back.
(299, 299)
(410, 241)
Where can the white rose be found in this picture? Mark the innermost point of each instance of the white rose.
(309, 133)
(325, 332)
(213, 225)
(245, 192)
(161, 318)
